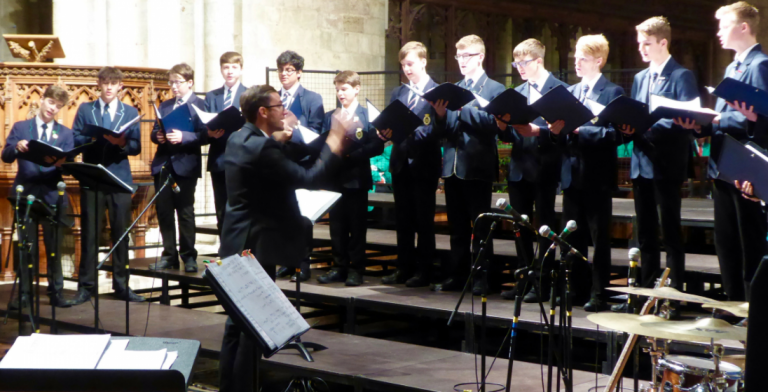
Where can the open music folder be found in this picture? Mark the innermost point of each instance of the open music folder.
(93, 130)
(732, 90)
(744, 162)
(396, 117)
(255, 303)
(39, 150)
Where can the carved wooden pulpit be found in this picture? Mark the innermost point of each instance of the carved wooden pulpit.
(21, 87)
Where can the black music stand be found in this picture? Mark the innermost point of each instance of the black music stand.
(98, 179)
(171, 380)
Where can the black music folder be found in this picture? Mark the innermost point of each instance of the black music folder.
(255, 303)
(456, 96)
(38, 151)
(560, 104)
(744, 162)
(229, 119)
(97, 177)
(93, 130)
(627, 111)
(397, 117)
(510, 102)
(732, 90)
(665, 108)
(179, 119)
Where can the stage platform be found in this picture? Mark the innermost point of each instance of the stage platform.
(361, 362)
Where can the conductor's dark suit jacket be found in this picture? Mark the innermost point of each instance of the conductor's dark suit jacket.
(262, 211)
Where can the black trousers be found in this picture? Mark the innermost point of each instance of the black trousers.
(415, 216)
(219, 184)
(170, 205)
(758, 324)
(740, 230)
(236, 360)
(664, 195)
(523, 196)
(465, 200)
(54, 273)
(118, 206)
(348, 230)
(592, 210)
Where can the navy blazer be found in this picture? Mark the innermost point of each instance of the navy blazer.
(663, 151)
(214, 103)
(754, 71)
(262, 210)
(534, 158)
(470, 136)
(421, 150)
(184, 157)
(308, 107)
(355, 170)
(589, 158)
(113, 158)
(37, 180)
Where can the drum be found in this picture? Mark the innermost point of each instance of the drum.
(682, 373)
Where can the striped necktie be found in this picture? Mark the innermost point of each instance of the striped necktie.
(106, 118)
(414, 98)
(285, 98)
(228, 99)
(584, 91)
(44, 136)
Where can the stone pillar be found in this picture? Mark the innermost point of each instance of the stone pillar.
(127, 33)
(218, 37)
(82, 29)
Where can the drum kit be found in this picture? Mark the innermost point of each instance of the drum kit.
(676, 373)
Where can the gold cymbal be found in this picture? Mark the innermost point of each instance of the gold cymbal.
(665, 293)
(738, 309)
(709, 328)
(633, 323)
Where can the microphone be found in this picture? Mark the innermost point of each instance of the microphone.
(19, 189)
(523, 218)
(30, 200)
(174, 185)
(634, 257)
(634, 254)
(570, 227)
(545, 231)
(61, 186)
(503, 205)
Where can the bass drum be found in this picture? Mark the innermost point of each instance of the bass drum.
(683, 374)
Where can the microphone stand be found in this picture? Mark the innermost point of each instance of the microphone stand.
(114, 247)
(522, 279)
(475, 268)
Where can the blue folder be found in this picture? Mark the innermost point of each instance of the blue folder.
(732, 90)
(737, 162)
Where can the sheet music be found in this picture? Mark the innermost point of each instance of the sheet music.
(170, 358)
(42, 351)
(595, 107)
(307, 134)
(259, 299)
(129, 123)
(373, 113)
(692, 105)
(205, 117)
(314, 204)
(132, 359)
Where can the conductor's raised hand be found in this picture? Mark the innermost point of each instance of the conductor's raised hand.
(441, 107)
(749, 113)
(627, 130)
(342, 124)
(290, 121)
(283, 136)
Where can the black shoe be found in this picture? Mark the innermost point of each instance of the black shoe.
(284, 272)
(164, 264)
(332, 276)
(131, 296)
(510, 294)
(83, 296)
(303, 276)
(398, 277)
(14, 305)
(533, 297)
(596, 305)
(419, 280)
(480, 287)
(620, 308)
(354, 278)
(450, 284)
(190, 266)
(58, 301)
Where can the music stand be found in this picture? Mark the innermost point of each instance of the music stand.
(98, 179)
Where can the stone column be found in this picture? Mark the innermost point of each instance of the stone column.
(218, 37)
(82, 29)
(127, 32)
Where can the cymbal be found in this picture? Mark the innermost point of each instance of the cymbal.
(710, 328)
(665, 293)
(633, 323)
(738, 309)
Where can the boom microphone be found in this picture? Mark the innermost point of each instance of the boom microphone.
(570, 227)
(30, 200)
(503, 205)
(545, 231)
